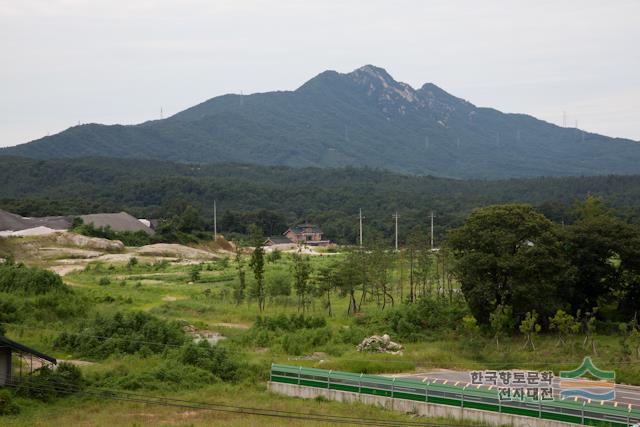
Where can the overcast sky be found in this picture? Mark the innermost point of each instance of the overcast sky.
(70, 61)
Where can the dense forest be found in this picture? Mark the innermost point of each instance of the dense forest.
(274, 197)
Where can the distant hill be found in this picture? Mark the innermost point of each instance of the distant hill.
(362, 118)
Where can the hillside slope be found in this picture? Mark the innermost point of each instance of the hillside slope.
(362, 118)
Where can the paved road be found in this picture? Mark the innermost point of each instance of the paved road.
(625, 394)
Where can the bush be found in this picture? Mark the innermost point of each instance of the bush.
(47, 384)
(279, 285)
(296, 343)
(296, 334)
(212, 358)
(274, 256)
(289, 323)
(415, 321)
(8, 314)
(19, 279)
(128, 238)
(157, 374)
(7, 405)
(104, 281)
(123, 333)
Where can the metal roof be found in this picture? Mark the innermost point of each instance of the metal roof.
(13, 222)
(279, 240)
(6, 342)
(121, 221)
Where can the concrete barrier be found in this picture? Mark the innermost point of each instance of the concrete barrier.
(430, 410)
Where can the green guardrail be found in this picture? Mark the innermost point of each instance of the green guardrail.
(464, 396)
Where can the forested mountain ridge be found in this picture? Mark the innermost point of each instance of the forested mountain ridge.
(329, 197)
(362, 118)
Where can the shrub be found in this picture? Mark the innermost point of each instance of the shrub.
(17, 278)
(47, 384)
(289, 323)
(212, 358)
(414, 322)
(8, 313)
(124, 333)
(305, 340)
(129, 238)
(279, 285)
(104, 281)
(159, 374)
(7, 405)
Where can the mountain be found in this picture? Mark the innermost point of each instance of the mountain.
(362, 118)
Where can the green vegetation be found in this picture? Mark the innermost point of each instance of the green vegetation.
(275, 197)
(129, 238)
(154, 327)
(124, 333)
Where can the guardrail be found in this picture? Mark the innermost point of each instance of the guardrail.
(463, 396)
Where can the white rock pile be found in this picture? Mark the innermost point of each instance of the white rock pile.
(380, 344)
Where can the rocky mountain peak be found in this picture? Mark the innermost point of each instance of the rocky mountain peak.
(382, 85)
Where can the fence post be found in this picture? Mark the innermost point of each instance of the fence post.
(299, 373)
(426, 390)
(271, 373)
(539, 407)
(360, 384)
(462, 401)
(582, 411)
(329, 379)
(628, 416)
(393, 386)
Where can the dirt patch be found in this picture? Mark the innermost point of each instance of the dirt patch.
(72, 239)
(78, 362)
(63, 270)
(51, 253)
(232, 325)
(169, 298)
(176, 251)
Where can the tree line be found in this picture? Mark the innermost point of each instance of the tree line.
(277, 197)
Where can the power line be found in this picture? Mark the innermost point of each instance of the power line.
(242, 410)
(361, 218)
(396, 216)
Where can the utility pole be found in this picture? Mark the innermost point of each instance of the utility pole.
(161, 114)
(361, 218)
(431, 230)
(215, 222)
(396, 216)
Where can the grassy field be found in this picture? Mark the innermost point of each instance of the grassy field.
(76, 411)
(170, 292)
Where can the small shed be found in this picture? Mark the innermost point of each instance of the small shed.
(8, 348)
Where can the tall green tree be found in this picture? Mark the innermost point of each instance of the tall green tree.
(301, 272)
(381, 263)
(605, 252)
(348, 278)
(239, 289)
(258, 290)
(510, 255)
(324, 283)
